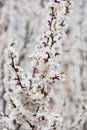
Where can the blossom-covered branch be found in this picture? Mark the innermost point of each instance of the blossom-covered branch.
(28, 95)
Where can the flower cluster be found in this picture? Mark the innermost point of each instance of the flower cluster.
(28, 96)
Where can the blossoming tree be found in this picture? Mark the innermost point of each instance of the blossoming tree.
(28, 94)
(20, 20)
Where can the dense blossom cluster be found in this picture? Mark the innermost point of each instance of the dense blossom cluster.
(24, 29)
(28, 96)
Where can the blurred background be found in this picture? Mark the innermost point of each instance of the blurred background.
(23, 20)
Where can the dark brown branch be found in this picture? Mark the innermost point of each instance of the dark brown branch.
(15, 69)
(32, 126)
